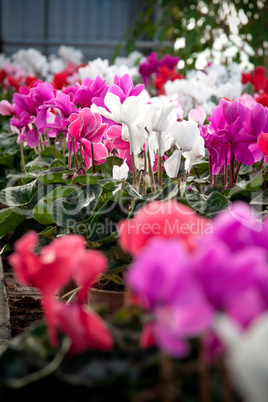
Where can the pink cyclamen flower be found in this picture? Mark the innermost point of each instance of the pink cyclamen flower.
(86, 128)
(6, 108)
(88, 90)
(198, 114)
(50, 270)
(166, 219)
(64, 258)
(83, 326)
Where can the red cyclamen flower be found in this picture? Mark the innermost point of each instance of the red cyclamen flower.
(263, 143)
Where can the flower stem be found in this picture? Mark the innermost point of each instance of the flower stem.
(41, 142)
(231, 169)
(237, 171)
(81, 155)
(55, 140)
(210, 171)
(93, 160)
(261, 164)
(134, 170)
(22, 158)
(264, 178)
(70, 157)
(151, 173)
(159, 169)
(75, 156)
(64, 146)
(225, 172)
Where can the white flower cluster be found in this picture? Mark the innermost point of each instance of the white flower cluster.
(33, 62)
(121, 66)
(201, 87)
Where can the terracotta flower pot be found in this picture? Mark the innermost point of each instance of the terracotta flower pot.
(110, 299)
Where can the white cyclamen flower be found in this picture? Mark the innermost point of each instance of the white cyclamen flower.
(69, 53)
(120, 172)
(190, 144)
(158, 119)
(128, 114)
(246, 356)
(94, 68)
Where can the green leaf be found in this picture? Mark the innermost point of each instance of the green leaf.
(46, 157)
(77, 207)
(10, 219)
(208, 205)
(261, 199)
(41, 211)
(49, 152)
(245, 189)
(50, 232)
(106, 168)
(18, 195)
(87, 179)
(57, 163)
(7, 160)
(103, 226)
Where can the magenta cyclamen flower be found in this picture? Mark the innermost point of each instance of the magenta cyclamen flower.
(232, 136)
(231, 264)
(123, 88)
(151, 65)
(163, 282)
(86, 128)
(227, 272)
(88, 90)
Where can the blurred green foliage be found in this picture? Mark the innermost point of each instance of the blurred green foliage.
(200, 23)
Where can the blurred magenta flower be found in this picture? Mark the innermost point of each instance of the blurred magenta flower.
(164, 284)
(152, 64)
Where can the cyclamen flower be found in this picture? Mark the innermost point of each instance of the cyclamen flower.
(152, 65)
(64, 258)
(190, 144)
(198, 115)
(233, 132)
(88, 90)
(163, 75)
(127, 113)
(246, 351)
(52, 269)
(263, 143)
(86, 129)
(167, 219)
(6, 108)
(225, 273)
(120, 172)
(164, 285)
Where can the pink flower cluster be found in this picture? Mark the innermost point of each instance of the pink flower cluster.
(232, 136)
(42, 112)
(64, 259)
(225, 271)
